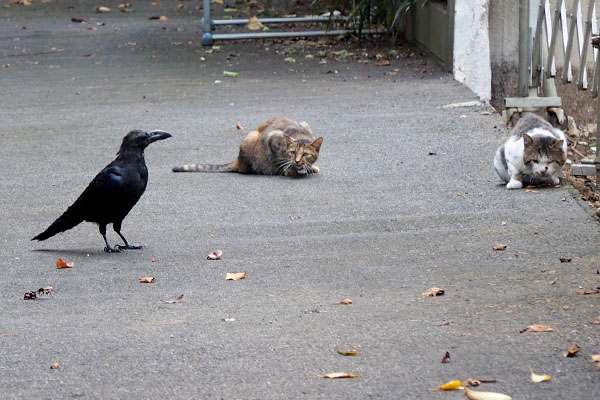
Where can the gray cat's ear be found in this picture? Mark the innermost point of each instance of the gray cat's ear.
(316, 144)
(558, 144)
(527, 140)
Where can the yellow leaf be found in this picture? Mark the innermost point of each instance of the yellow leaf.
(339, 375)
(452, 385)
(62, 264)
(538, 378)
(475, 395)
(596, 358)
(254, 24)
(235, 276)
(348, 353)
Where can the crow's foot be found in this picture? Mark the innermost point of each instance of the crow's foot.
(127, 247)
(109, 249)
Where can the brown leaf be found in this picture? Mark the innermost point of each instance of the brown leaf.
(472, 382)
(178, 299)
(235, 276)
(433, 292)
(531, 191)
(572, 351)
(79, 20)
(348, 352)
(564, 260)
(62, 264)
(445, 358)
(215, 255)
(499, 247)
(54, 365)
(588, 291)
(538, 328)
(177, 43)
(346, 301)
(339, 375)
(239, 127)
(146, 279)
(383, 63)
(595, 358)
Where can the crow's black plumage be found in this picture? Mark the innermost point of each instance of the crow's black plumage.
(113, 192)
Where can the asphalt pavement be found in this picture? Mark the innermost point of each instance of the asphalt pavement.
(407, 199)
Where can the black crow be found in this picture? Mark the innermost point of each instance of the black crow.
(113, 192)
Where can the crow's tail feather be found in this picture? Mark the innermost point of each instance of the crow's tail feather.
(65, 222)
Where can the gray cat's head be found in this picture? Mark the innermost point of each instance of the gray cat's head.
(544, 155)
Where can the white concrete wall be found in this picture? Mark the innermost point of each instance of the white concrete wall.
(472, 64)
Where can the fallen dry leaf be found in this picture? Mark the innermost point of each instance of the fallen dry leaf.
(595, 358)
(472, 382)
(597, 321)
(564, 260)
(215, 255)
(499, 246)
(383, 63)
(531, 191)
(539, 378)
(62, 264)
(346, 301)
(538, 328)
(339, 375)
(572, 351)
(146, 279)
(178, 299)
(235, 276)
(446, 357)
(351, 352)
(54, 365)
(433, 292)
(239, 127)
(474, 395)
(588, 291)
(102, 9)
(452, 385)
(254, 24)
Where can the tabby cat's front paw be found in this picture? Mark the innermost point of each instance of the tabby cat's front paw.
(315, 169)
(514, 184)
(555, 180)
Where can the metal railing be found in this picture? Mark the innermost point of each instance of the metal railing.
(539, 32)
(208, 26)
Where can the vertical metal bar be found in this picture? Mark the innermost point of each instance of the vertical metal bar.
(596, 76)
(564, 22)
(569, 49)
(597, 159)
(536, 68)
(206, 22)
(551, 32)
(582, 78)
(524, 46)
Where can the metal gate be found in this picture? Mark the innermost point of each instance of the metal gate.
(541, 27)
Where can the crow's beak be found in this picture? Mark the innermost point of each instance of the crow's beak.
(158, 135)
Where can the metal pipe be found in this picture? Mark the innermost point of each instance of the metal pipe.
(524, 54)
(282, 20)
(270, 35)
(205, 22)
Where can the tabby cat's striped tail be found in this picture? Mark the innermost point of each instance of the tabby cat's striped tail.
(230, 167)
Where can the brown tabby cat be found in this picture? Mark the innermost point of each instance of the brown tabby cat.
(278, 147)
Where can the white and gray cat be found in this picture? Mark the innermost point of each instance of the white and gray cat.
(534, 154)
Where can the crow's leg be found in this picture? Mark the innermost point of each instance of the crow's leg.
(107, 249)
(117, 228)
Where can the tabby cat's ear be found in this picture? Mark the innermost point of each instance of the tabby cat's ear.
(527, 140)
(558, 144)
(316, 144)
